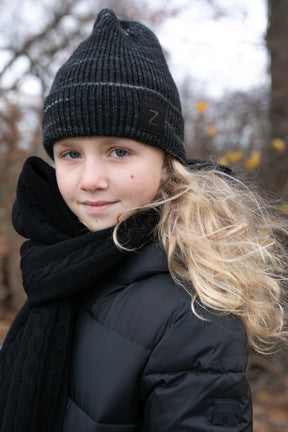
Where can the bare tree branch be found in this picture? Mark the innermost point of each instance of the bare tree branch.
(35, 39)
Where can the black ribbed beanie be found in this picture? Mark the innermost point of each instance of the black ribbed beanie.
(116, 83)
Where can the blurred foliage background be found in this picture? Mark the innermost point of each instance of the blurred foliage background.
(245, 130)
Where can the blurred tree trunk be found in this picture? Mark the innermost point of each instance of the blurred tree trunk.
(277, 44)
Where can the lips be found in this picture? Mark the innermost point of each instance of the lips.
(97, 206)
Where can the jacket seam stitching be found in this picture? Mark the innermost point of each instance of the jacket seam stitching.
(114, 331)
(200, 371)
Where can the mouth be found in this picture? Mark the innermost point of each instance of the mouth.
(96, 207)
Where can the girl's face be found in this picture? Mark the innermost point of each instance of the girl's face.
(101, 177)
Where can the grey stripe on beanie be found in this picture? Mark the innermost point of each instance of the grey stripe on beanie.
(116, 83)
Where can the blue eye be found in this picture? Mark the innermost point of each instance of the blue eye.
(119, 153)
(72, 155)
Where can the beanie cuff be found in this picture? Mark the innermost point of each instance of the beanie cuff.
(113, 109)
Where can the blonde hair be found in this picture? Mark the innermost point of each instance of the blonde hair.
(222, 245)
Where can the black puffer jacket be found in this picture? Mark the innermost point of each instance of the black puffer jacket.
(142, 361)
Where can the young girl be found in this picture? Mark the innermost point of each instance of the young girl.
(148, 275)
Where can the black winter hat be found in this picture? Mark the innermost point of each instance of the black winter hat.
(116, 83)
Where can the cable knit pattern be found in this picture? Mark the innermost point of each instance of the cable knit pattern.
(34, 360)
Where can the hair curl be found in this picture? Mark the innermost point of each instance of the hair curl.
(223, 246)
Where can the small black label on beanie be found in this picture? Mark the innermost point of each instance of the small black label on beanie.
(151, 118)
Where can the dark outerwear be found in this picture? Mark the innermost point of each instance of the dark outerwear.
(59, 262)
(141, 360)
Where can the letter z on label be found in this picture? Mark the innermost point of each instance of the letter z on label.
(151, 118)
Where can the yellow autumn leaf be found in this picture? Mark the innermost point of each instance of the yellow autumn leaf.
(211, 130)
(232, 157)
(278, 144)
(235, 156)
(253, 161)
(223, 161)
(284, 208)
(201, 106)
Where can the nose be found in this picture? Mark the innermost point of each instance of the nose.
(93, 177)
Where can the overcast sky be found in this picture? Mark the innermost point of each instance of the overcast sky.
(220, 53)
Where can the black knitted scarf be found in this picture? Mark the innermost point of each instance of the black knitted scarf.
(59, 262)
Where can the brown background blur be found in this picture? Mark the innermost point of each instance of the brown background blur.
(246, 130)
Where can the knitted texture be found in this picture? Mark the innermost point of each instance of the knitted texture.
(57, 268)
(116, 83)
(59, 263)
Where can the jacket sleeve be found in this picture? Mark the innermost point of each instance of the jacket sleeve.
(195, 378)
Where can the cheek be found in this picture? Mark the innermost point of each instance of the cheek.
(64, 185)
(143, 187)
